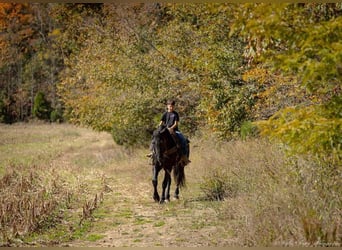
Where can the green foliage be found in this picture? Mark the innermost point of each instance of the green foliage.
(135, 52)
(145, 62)
(307, 131)
(56, 115)
(248, 129)
(301, 40)
(41, 107)
(135, 126)
(230, 109)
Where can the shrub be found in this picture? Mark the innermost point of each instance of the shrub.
(56, 115)
(248, 129)
(41, 107)
(218, 185)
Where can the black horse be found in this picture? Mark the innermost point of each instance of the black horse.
(166, 154)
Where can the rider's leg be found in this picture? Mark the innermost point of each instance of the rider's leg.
(185, 152)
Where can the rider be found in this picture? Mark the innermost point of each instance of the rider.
(170, 119)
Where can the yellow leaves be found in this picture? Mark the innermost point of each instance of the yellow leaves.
(275, 91)
(55, 33)
(306, 130)
(259, 75)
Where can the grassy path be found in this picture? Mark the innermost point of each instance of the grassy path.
(92, 164)
(128, 215)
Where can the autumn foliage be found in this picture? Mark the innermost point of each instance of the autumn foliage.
(273, 70)
(112, 66)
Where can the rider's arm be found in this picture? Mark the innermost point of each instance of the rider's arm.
(174, 125)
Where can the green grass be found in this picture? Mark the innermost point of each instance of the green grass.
(159, 224)
(126, 213)
(140, 220)
(94, 237)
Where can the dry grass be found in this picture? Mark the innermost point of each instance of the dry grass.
(270, 199)
(29, 201)
(45, 178)
(69, 186)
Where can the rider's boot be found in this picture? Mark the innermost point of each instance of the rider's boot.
(184, 159)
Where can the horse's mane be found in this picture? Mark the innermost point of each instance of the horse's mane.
(164, 132)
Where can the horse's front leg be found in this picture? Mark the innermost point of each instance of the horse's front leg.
(166, 187)
(155, 172)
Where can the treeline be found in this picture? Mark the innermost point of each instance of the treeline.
(230, 67)
(35, 42)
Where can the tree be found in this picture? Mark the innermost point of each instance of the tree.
(35, 41)
(15, 37)
(140, 55)
(302, 42)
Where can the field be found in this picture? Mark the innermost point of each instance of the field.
(69, 186)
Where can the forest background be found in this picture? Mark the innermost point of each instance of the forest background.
(235, 71)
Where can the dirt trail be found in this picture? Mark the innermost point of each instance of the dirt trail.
(138, 221)
(128, 215)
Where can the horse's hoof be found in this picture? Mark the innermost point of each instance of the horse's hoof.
(176, 197)
(156, 198)
(164, 201)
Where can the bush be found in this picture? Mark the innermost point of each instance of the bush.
(56, 115)
(248, 129)
(218, 185)
(41, 107)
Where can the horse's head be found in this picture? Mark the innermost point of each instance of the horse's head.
(159, 142)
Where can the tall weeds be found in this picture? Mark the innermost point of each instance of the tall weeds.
(29, 202)
(271, 199)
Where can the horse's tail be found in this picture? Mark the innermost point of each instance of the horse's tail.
(179, 175)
